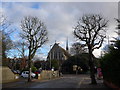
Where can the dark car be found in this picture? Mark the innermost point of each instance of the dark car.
(38, 72)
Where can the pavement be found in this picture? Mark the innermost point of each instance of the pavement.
(85, 84)
(81, 82)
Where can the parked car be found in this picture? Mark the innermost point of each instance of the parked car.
(26, 73)
(14, 71)
(18, 72)
(38, 72)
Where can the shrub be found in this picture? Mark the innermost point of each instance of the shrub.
(34, 69)
(110, 64)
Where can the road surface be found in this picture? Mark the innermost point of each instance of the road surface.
(67, 81)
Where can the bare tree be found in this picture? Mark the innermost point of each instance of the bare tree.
(35, 33)
(78, 48)
(91, 30)
(4, 23)
(21, 47)
(118, 27)
(5, 37)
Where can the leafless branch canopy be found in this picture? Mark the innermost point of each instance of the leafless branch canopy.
(5, 32)
(118, 27)
(4, 24)
(21, 47)
(35, 32)
(78, 48)
(92, 30)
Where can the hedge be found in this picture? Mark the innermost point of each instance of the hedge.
(110, 64)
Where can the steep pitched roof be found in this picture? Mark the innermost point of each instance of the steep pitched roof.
(65, 52)
(56, 45)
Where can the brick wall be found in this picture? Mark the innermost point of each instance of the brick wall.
(7, 75)
(45, 74)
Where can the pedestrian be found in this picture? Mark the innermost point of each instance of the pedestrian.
(99, 73)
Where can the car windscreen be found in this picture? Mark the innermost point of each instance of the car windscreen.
(27, 72)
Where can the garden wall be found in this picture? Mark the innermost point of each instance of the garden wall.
(7, 75)
(46, 74)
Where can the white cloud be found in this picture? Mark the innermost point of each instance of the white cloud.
(40, 57)
(60, 18)
(97, 52)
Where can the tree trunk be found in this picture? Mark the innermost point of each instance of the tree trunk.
(29, 64)
(29, 76)
(91, 64)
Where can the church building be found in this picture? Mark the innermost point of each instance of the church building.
(58, 53)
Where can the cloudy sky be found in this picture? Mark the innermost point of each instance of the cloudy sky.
(60, 18)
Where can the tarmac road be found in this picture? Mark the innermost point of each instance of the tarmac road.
(65, 82)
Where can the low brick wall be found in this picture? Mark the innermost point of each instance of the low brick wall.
(7, 75)
(46, 74)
